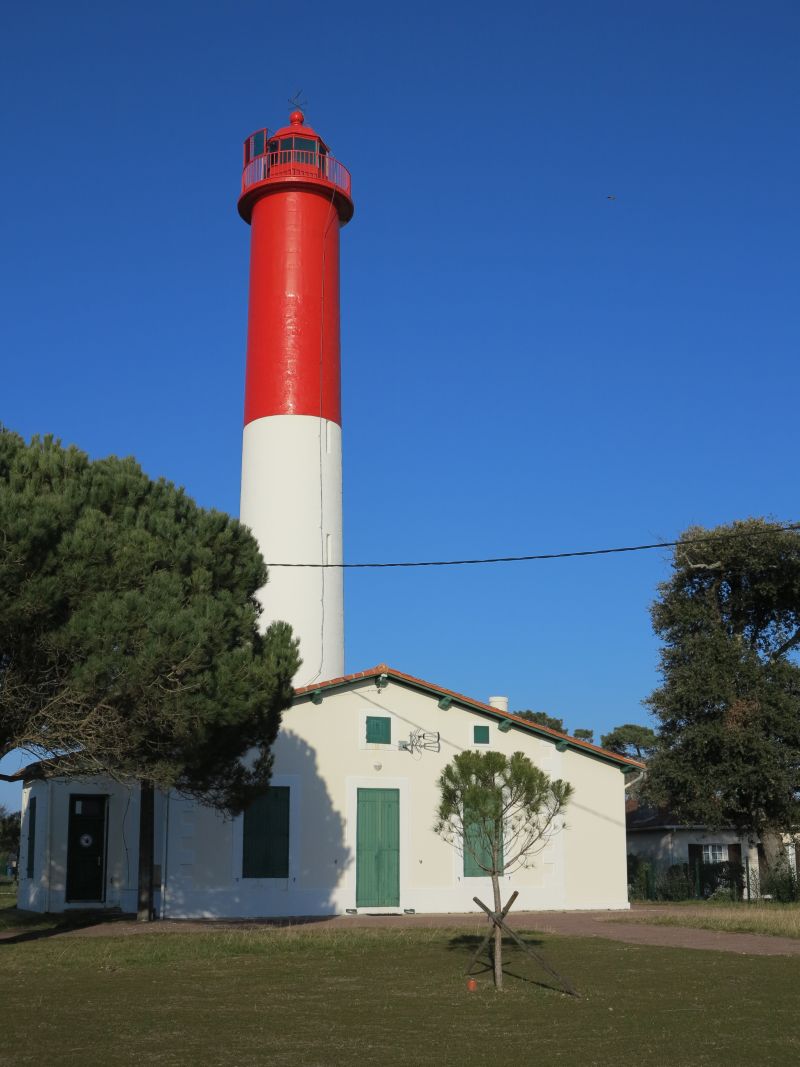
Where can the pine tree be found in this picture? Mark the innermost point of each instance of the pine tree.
(129, 641)
(541, 718)
(500, 811)
(632, 740)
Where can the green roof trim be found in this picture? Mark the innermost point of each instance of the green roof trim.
(561, 742)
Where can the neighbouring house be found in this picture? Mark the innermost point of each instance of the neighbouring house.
(659, 839)
(347, 825)
(654, 834)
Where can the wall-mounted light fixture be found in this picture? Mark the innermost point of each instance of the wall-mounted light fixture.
(382, 681)
(316, 696)
(562, 746)
(504, 726)
(445, 703)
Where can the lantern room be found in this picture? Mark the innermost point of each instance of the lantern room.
(295, 156)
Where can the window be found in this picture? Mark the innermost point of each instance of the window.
(480, 735)
(715, 853)
(478, 850)
(265, 852)
(280, 150)
(258, 143)
(379, 730)
(31, 859)
(305, 144)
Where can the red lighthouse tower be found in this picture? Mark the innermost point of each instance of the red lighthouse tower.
(296, 197)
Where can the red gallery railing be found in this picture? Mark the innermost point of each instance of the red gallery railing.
(296, 164)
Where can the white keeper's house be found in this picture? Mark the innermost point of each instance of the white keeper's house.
(347, 824)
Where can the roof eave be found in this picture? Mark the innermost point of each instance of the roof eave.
(623, 762)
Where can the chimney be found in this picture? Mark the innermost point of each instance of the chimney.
(501, 703)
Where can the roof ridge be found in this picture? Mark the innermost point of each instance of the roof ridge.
(384, 668)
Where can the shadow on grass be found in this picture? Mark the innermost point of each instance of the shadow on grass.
(33, 927)
(471, 943)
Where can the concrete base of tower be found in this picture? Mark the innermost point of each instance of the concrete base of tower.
(292, 502)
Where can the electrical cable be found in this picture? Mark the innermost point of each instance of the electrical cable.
(547, 555)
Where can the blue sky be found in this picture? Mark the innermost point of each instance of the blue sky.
(527, 365)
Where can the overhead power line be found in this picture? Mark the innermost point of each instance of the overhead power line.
(541, 555)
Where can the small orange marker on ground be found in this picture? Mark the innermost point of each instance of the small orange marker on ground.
(472, 985)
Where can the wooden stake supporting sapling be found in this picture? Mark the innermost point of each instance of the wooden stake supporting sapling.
(498, 811)
(498, 924)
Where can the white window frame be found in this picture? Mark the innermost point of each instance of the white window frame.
(711, 848)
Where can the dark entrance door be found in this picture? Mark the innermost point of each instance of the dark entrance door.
(86, 848)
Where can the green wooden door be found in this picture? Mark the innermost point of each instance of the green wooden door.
(378, 848)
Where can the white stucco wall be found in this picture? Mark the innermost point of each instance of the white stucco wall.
(322, 755)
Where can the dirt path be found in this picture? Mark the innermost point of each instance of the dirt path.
(572, 924)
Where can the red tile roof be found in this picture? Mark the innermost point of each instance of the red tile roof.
(469, 702)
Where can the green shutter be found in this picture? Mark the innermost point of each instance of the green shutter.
(379, 730)
(31, 859)
(480, 735)
(266, 835)
(478, 852)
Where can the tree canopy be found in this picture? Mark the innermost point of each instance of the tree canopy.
(499, 811)
(541, 718)
(729, 703)
(129, 642)
(9, 830)
(633, 740)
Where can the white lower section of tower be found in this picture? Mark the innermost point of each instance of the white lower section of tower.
(292, 502)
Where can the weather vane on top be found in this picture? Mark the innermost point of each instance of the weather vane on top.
(295, 102)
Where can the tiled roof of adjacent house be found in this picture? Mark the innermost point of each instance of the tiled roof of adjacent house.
(624, 762)
(639, 816)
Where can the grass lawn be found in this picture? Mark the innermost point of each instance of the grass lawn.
(779, 920)
(10, 918)
(385, 997)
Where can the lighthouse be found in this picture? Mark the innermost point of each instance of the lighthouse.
(296, 197)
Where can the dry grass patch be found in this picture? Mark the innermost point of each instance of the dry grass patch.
(776, 920)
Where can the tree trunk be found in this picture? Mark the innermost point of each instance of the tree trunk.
(774, 849)
(498, 935)
(146, 849)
